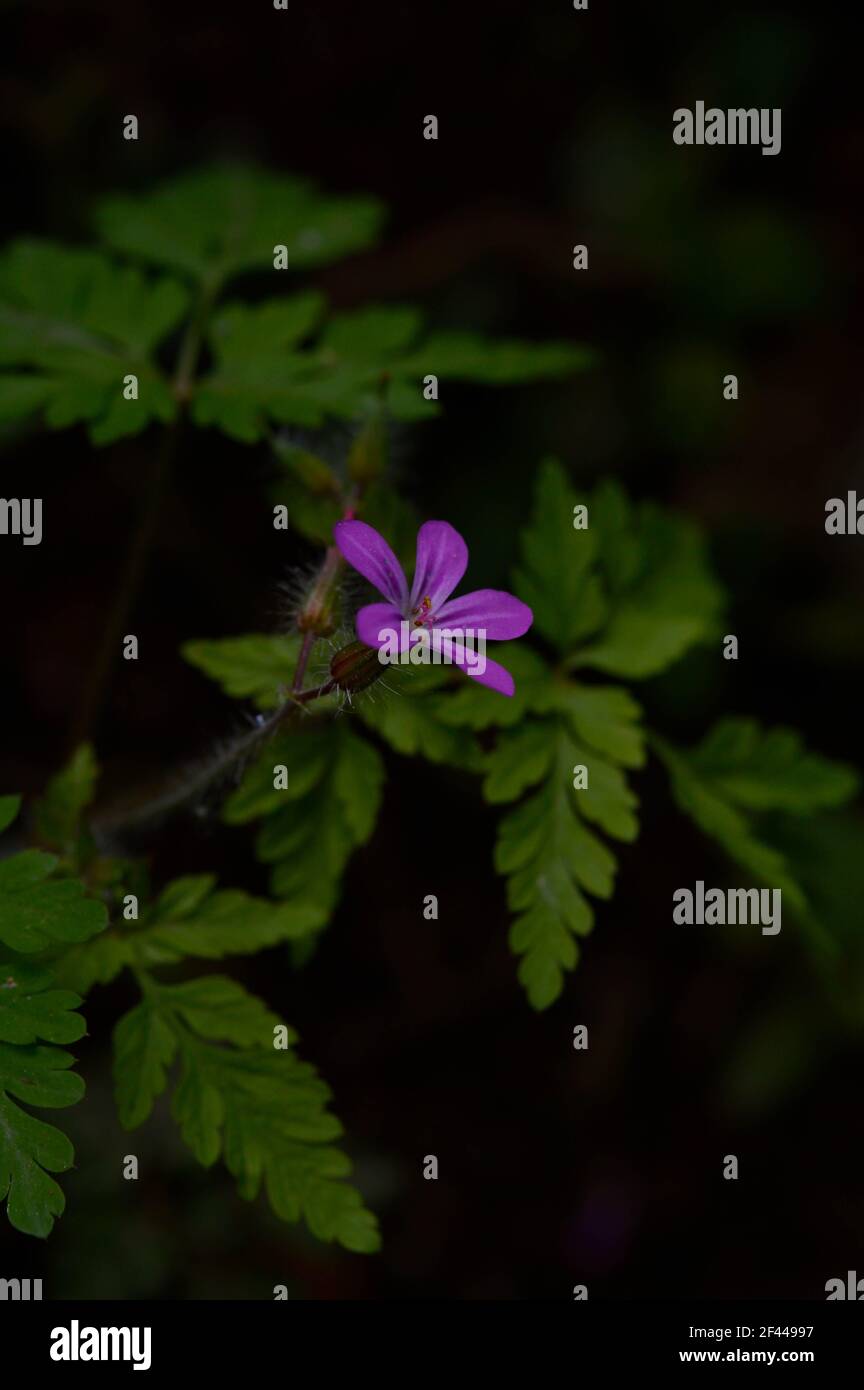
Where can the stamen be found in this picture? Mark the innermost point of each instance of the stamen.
(423, 608)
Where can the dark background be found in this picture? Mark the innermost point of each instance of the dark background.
(555, 128)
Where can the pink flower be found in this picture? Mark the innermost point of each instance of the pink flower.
(442, 558)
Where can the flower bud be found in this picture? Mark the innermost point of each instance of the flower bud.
(355, 667)
(318, 614)
(318, 611)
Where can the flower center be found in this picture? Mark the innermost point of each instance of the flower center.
(422, 614)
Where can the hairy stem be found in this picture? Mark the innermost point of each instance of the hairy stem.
(303, 658)
(114, 821)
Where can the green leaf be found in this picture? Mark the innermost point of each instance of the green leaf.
(257, 1105)
(189, 921)
(663, 605)
(31, 1008)
(215, 222)
(183, 896)
(22, 396)
(520, 760)
(144, 1048)
(79, 324)
(474, 706)
(605, 717)
(466, 356)
(556, 576)
(329, 808)
(613, 519)
(740, 772)
(29, 1148)
(629, 594)
(763, 769)
(39, 1076)
(240, 331)
(218, 1008)
(228, 923)
(145, 1039)
(305, 753)
(35, 913)
(717, 815)
(360, 358)
(826, 852)
(409, 714)
(94, 962)
(257, 377)
(250, 667)
(22, 870)
(607, 801)
(374, 333)
(9, 808)
(265, 1112)
(550, 857)
(57, 813)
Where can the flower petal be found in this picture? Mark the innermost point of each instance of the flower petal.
(493, 611)
(366, 549)
(496, 676)
(442, 559)
(375, 619)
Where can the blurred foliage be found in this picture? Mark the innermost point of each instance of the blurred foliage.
(806, 1023)
(215, 223)
(79, 324)
(740, 771)
(74, 324)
